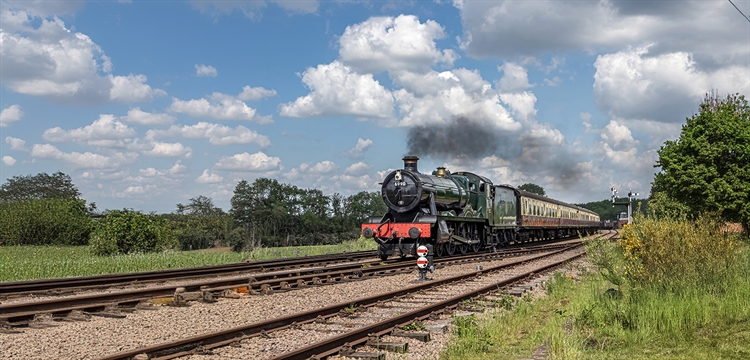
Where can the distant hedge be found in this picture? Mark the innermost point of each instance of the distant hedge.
(45, 222)
(124, 232)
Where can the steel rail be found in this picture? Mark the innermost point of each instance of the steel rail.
(353, 338)
(112, 279)
(186, 346)
(21, 312)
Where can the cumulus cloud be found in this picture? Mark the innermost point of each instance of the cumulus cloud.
(9, 160)
(618, 135)
(218, 106)
(515, 78)
(209, 178)
(10, 114)
(501, 28)
(205, 70)
(137, 116)
(323, 167)
(357, 169)
(87, 160)
(215, 133)
(255, 93)
(162, 149)
(633, 84)
(16, 143)
(393, 44)
(440, 98)
(53, 62)
(359, 150)
(338, 90)
(132, 88)
(100, 133)
(245, 162)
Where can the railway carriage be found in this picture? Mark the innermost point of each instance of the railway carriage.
(461, 212)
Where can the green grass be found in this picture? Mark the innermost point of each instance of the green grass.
(44, 262)
(580, 320)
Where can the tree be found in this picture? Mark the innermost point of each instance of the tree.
(707, 168)
(41, 186)
(200, 205)
(533, 188)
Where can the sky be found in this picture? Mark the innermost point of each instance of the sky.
(146, 104)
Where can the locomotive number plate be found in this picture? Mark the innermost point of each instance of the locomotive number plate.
(399, 183)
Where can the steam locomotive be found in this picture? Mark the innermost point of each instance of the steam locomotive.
(460, 212)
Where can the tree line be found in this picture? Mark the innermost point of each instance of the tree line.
(48, 210)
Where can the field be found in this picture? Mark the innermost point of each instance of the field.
(44, 262)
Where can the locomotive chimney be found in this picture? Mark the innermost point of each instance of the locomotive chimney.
(410, 163)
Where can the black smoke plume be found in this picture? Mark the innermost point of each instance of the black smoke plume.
(461, 138)
(465, 139)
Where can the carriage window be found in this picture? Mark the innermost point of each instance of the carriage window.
(481, 187)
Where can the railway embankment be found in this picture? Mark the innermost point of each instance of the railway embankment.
(667, 289)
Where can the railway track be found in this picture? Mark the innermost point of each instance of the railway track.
(417, 302)
(61, 285)
(113, 304)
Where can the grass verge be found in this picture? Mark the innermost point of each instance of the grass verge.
(43, 262)
(609, 314)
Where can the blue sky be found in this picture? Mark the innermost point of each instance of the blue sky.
(147, 104)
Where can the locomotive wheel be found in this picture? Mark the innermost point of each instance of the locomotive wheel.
(450, 248)
(476, 247)
(440, 250)
(463, 248)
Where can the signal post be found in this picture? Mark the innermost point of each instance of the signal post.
(424, 261)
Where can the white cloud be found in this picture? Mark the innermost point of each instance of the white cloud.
(162, 149)
(244, 162)
(205, 70)
(132, 88)
(85, 160)
(215, 133)
(207, 178)
(53, 62)
(99, 133)
(493, 161)
(137, 116)
(255, 93)
(9, 160)
(393, 44)
(218, 106)
(357, 169)
(500, 28)
(358, 150)
(618, 135)
(555, 81)
(633, 84)
(337, 90)
(16, 143)
(515, 78)
(439, 98)
(43, 8)
(323, 167)
(522, 105)
(10, 114)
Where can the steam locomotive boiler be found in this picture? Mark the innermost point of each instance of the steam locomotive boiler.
(462, 211)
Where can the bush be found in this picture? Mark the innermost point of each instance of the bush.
(131, 232)
(45, 222)
(195, 231)
(239, 240)
(677, 251)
